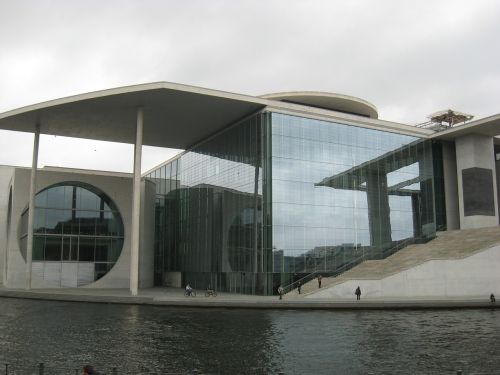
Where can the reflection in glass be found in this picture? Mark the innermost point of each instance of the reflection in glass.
(343, 193)
(276, 197)
(209, 212)
(53, 248)
(75, 222)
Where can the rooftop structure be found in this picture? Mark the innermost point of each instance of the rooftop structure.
(443, 120)
(326, 100)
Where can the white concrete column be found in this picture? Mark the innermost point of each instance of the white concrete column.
(31, 207)
(136, 206)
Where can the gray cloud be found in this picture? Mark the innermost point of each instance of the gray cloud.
(408, 58)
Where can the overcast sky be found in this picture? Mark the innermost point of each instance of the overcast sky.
(408, 58)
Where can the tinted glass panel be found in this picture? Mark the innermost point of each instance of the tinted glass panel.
(38, 248)
(53, 247)
(86, 249)
(74, 222)
(343, 193)
(209, 212)
(102, 250)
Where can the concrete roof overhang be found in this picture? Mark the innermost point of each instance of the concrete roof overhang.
(329, 101)
(175, 116)
(489, 126)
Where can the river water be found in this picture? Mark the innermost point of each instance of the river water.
(160, 340)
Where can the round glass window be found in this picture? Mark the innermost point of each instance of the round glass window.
(78, 234)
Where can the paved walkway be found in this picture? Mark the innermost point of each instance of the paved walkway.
(175, 297)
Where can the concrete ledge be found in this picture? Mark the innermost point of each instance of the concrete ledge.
(240, 302)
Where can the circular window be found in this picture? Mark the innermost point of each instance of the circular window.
(78, 234)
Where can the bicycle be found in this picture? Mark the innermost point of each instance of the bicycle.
(190, 294)
(210, 292)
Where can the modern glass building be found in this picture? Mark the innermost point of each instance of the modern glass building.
(275, 197)
(269, 189)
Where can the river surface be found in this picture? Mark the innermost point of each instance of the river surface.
(161, 340)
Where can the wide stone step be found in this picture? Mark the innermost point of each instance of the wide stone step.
(447, 245)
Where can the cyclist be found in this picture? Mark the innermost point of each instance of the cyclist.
(210, 292)
(189, 290)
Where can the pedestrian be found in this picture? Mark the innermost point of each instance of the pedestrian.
(492, 298)
(299, 285)
(189, 290)
(89, 370)
(319, 281)
(281, 291)
(358, 293)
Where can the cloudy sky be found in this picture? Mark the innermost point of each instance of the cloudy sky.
(408, 58)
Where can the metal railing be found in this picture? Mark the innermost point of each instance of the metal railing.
(334, 273)
(400, 245)
(347, 266)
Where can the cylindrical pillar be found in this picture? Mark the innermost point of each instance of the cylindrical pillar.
(31, 207)
(136, 207)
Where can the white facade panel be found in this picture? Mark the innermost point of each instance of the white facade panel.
(52, 275)
(85, 273)
(69, 274)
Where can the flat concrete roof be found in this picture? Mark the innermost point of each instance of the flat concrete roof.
(326, 100)
(175, 115)
(489, 126)
(180, 116)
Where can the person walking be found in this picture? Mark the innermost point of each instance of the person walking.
(281, 291)
(358, 293)
(299, 286)
(319, 281)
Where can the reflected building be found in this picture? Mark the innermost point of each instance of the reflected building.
(269, 190)
(288, 196)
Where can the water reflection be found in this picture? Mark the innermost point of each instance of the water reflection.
(144, 339)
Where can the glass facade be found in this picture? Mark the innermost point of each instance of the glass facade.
(276, 197)
(343, 193)
(74, 223)
(209, 212)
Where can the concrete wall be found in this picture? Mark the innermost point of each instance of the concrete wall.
(6, 174)
(117, 187)
(475, 276)
(497, 168)
(476, 151)
(173, 279)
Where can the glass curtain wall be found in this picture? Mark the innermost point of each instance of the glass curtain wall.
(343, 193)
(276, 197)
(78, 234)
(209, 213)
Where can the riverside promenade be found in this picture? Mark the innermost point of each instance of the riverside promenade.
(174, 297)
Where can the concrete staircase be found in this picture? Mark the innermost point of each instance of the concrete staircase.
(457, 244)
